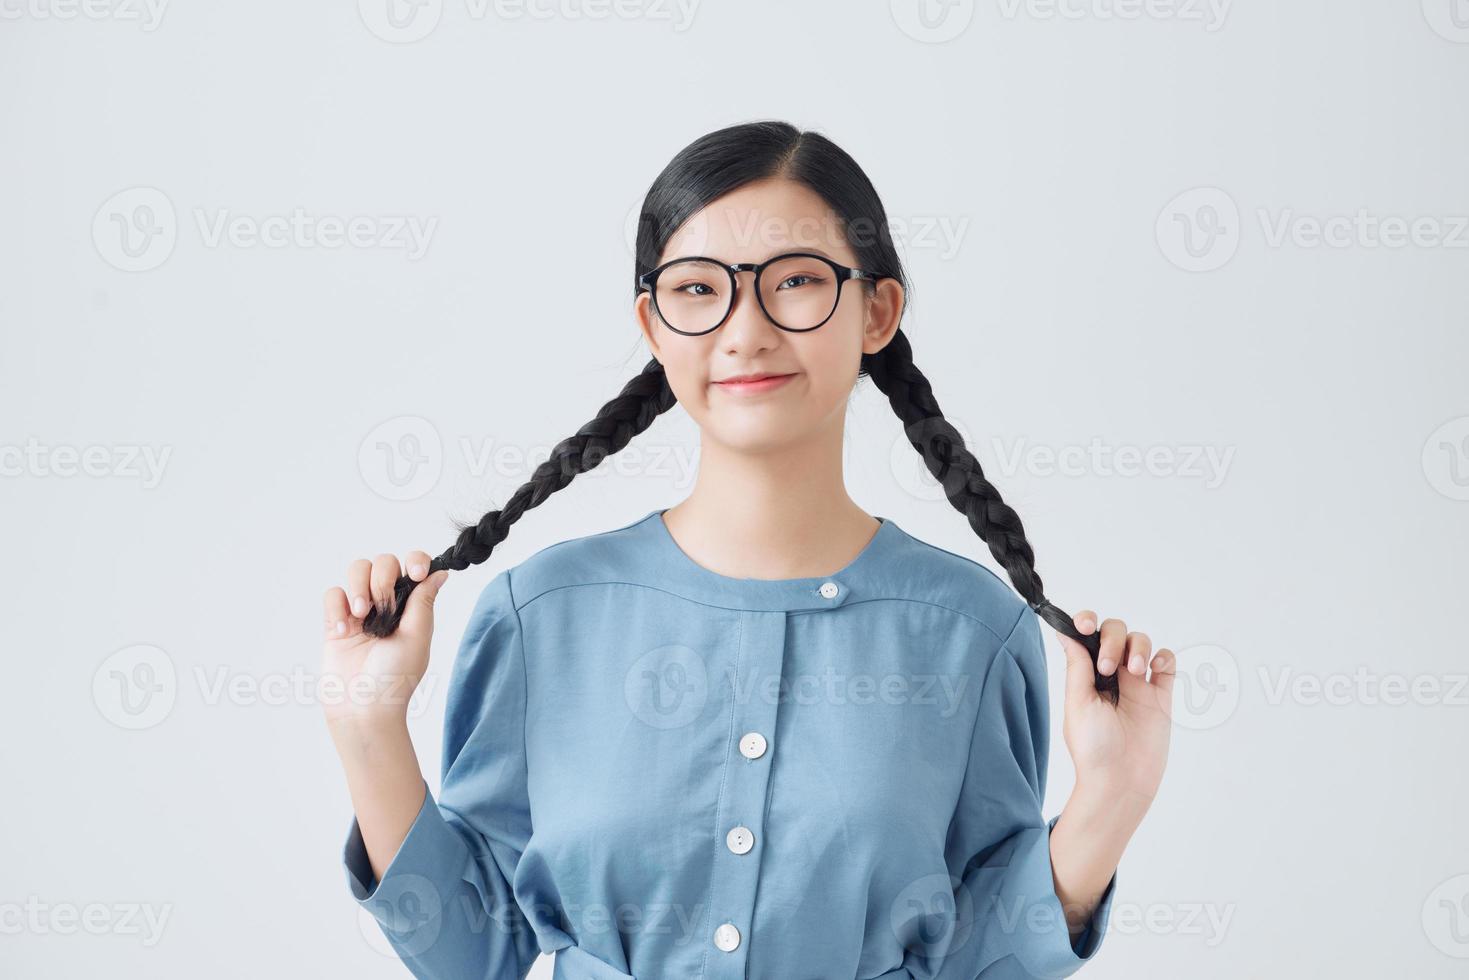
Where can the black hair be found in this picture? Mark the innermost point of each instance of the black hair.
(703, 171)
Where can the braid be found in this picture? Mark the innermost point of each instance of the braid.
(959, 473)
(641, 400)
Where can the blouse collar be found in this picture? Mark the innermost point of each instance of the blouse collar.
(867, 576)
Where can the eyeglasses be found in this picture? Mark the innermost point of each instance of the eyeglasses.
(798, 291)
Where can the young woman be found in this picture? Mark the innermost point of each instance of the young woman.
(760, 733)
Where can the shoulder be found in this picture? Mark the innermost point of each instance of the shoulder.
(926, 572)
(599, 556)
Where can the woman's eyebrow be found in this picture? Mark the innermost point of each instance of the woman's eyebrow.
(788, 251)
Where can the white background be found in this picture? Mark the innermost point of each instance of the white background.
(1107, 210)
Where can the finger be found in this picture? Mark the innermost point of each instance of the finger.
(1085, 622)
(418, 611)
(385, 574)
(1138, 649)
(417, 564)
(335, 613)
(1164, 672)
(359, 575)
(1114, 633)
(1080, 673)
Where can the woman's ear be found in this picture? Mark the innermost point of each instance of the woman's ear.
(884, 309)
(643, 313)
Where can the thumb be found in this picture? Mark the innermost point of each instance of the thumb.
(418, 610)
(1080, 672)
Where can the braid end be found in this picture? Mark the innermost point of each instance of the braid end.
(385, 623)
(1105, 684)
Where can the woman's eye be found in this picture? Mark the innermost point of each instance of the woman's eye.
(785, 283)
(690, 287)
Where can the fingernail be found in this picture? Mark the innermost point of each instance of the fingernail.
(1105, 666)
(416, 572)
(341, 628)
(359, 605)
(1136, 665)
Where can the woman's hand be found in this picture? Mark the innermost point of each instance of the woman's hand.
(364, 678)
(1119, 750)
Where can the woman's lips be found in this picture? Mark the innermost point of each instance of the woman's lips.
(754, 387)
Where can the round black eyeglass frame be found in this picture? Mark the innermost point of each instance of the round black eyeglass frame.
(649, 281)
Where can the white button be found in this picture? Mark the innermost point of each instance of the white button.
(740, 840)
(727, 937)
(829, 590)
(752, 745)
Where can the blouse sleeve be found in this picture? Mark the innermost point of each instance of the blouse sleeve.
(445, 901)
(1005, 919)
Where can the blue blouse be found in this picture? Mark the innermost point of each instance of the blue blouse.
(658, 772)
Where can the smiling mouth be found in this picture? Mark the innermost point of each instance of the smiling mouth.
(754, 385)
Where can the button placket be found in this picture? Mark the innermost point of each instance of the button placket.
(737, 848)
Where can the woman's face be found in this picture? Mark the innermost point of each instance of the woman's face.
(751, 224)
